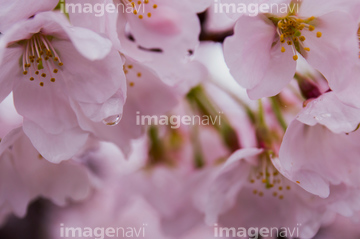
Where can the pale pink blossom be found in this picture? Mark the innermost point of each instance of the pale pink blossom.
(248, 191)
(61, 67)
(263, 52)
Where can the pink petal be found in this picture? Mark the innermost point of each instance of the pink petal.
(140, 98)
(280, 72)
(349, 87)
(229, 180)
(248, 60)
(57, 182)
(104, 24)
(48, 106)
(255, 63)
(320, 7)
(329, 111)
(91, 82)
(55, 147)
(9, 69)
(17, 10)
(314, 157)
(336, 52)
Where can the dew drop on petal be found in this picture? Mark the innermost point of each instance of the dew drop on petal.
(326, 115)
(112, 120)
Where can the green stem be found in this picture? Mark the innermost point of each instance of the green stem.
(200, 101)
(261, 114)
(277, 111)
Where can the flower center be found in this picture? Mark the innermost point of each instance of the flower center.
(290, 30)
(266, 176)
(40, 60)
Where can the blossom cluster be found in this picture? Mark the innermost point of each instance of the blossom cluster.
(283, 87)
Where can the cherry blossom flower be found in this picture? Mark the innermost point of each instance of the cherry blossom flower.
(60, 65)
(265, 64)
(249, 191)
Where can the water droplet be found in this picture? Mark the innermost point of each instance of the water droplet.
(326, 115)
(322, 116)
(112, 120)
